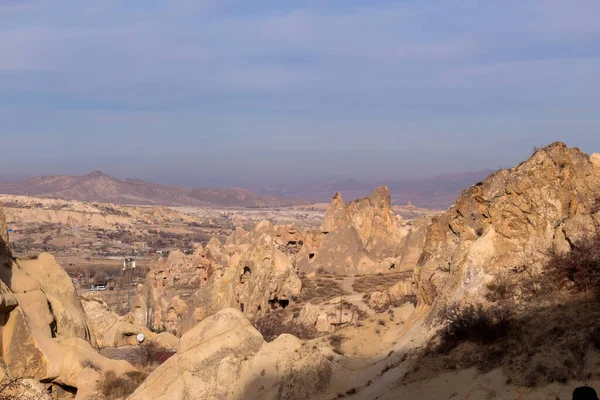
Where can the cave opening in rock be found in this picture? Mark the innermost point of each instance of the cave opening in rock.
(311, 256)
(393, 267)
(276, 303)
(242, 307)
(245, 275)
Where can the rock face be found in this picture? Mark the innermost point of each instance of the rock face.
(224, 357)
(250, 273)
(355, 238)
(113, 330)
(44, 331)
(376, 224)
(56, 286)
(257, 277)
(514, 218)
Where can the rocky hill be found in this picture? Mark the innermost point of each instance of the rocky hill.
(99, 187)
(46, 335)
(483, 315)
(510, 224)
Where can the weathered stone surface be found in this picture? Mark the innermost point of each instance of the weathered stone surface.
(258, 276)
(208, 360)
(57, 287)
(224, 357)
(412, 245)
(356, 238)
(44, 331)
(113, 330)
(514, 218)
(376, 224)
(250, 273)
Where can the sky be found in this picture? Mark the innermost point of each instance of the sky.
(238, 92)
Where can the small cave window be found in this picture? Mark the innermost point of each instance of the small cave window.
(311, 256)
(242, 307)
(393, 267)
(245, 275)
(276, 303)
(259, 308)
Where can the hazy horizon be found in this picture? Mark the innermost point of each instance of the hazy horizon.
(221, 93)
(236, 182)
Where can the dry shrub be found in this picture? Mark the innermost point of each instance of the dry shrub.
(500, 290)
(318, 290)
(379, 282)
(15, 389)
(472, 323)
(580, 266)
(148, 350)
(7, 388)
(115, 387)
(336, 343)
(273, 324)
(91, 364)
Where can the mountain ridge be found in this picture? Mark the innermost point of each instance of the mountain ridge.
(100, 187)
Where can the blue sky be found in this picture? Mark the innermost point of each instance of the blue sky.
(243, 92)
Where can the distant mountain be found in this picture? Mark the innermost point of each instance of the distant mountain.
(438, 192)
(99, 187)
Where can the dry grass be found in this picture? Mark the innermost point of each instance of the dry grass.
(537, 346)
(336, 343)
(116, 387)
(273, 324)
(472, 323)
(318, 290)
(579, 268)
(91, 364)
(539, 328)
(379, 282)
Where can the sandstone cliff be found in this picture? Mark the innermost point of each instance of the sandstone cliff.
(360, 237)
(514, 219)
(44, 331)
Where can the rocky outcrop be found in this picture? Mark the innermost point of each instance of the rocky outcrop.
(376, 224)
(360, 237)
(257, 277)
(113, 330)
(249, 272)
(224, 357)
(515, 218)
(56, 286)
(44, 331)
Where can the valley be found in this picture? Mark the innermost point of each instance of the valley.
(364, 299)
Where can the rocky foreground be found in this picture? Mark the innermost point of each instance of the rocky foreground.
(503, 232)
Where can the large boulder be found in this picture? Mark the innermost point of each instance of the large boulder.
(114, 331)
(224, 357)
(44, 331)
(57, 287)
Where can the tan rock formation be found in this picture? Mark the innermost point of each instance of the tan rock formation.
(356, 238)
(113, 330)
(224, 357)
(376, 224)
(44, 332)
(514, 218)
(258, 276)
